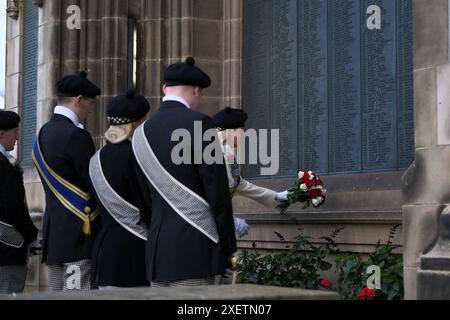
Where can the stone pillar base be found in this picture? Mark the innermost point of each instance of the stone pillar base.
(433, 285)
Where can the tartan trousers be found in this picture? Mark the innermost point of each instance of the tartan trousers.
(73, 276)
(12, 279)
(184, 283)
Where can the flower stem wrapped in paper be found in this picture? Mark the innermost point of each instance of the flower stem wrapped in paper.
(308, 190)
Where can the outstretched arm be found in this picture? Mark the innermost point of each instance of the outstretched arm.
(262, 195)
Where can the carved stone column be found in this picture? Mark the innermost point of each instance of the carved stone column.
(434, 273)
(232, 55)
(13, 9)
(152, 49)
(426, 184)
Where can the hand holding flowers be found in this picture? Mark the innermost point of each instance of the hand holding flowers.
(308, 190)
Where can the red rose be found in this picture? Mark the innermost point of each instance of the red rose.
(309, 184)
(318, 182)
(315, 193)
(363, 294)
(306, 177)
(371, 293)
(326, 283)
(367, 293)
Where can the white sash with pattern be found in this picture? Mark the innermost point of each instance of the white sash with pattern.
(10, 236)
(127, 215)
(187, 204)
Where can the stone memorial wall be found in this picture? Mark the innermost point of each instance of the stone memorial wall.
(336, 78)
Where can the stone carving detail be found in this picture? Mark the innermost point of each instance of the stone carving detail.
(439, 257)
(13, 9)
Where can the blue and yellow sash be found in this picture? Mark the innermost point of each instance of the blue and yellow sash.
(72, 198)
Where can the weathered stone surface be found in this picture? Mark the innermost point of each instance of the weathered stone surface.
(152, 36)
(433, 285)
(443, 104)
(210, 105)
(361, 230)
(430, 33)
(438, 258)
(12, 85)
(35, 196)
(425, 187)
(424, 182)
(239, 292)
(425, 107)
(420, 228)
(208, 43)
(211, 9)
(13, 56)
(410, 281)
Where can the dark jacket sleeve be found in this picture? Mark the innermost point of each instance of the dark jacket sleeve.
(141, 191)
(25, 226)
(3, 192)
(215, 183)
(13, 208)
(81, 150)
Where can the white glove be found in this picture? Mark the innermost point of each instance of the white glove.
(241, 227)
(282, 196)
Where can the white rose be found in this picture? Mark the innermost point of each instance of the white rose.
(301, 174)
(303, 187)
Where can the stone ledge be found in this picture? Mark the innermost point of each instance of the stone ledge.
(224, 292)
(323, 217)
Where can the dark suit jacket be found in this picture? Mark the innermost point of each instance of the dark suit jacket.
(14, 211)
(175, 249)
(118, 257)
(67, 149)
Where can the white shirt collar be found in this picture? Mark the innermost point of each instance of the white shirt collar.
(177, 99)
(3, 151)
(66, 112)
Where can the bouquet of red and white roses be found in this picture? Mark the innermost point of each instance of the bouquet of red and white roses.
(308, 190)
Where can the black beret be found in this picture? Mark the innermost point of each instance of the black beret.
(186, 74)
(9, 120)
(127, 108)
(77, 85)
(230, 118)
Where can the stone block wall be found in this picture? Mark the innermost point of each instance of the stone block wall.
(426, 185)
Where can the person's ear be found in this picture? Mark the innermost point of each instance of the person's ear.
(197, 91)
(78, 99)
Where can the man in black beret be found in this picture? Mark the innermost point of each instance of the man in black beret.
(118, 257)
(191, 237)
(228, 121)
(62, 153)
(16, 228)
